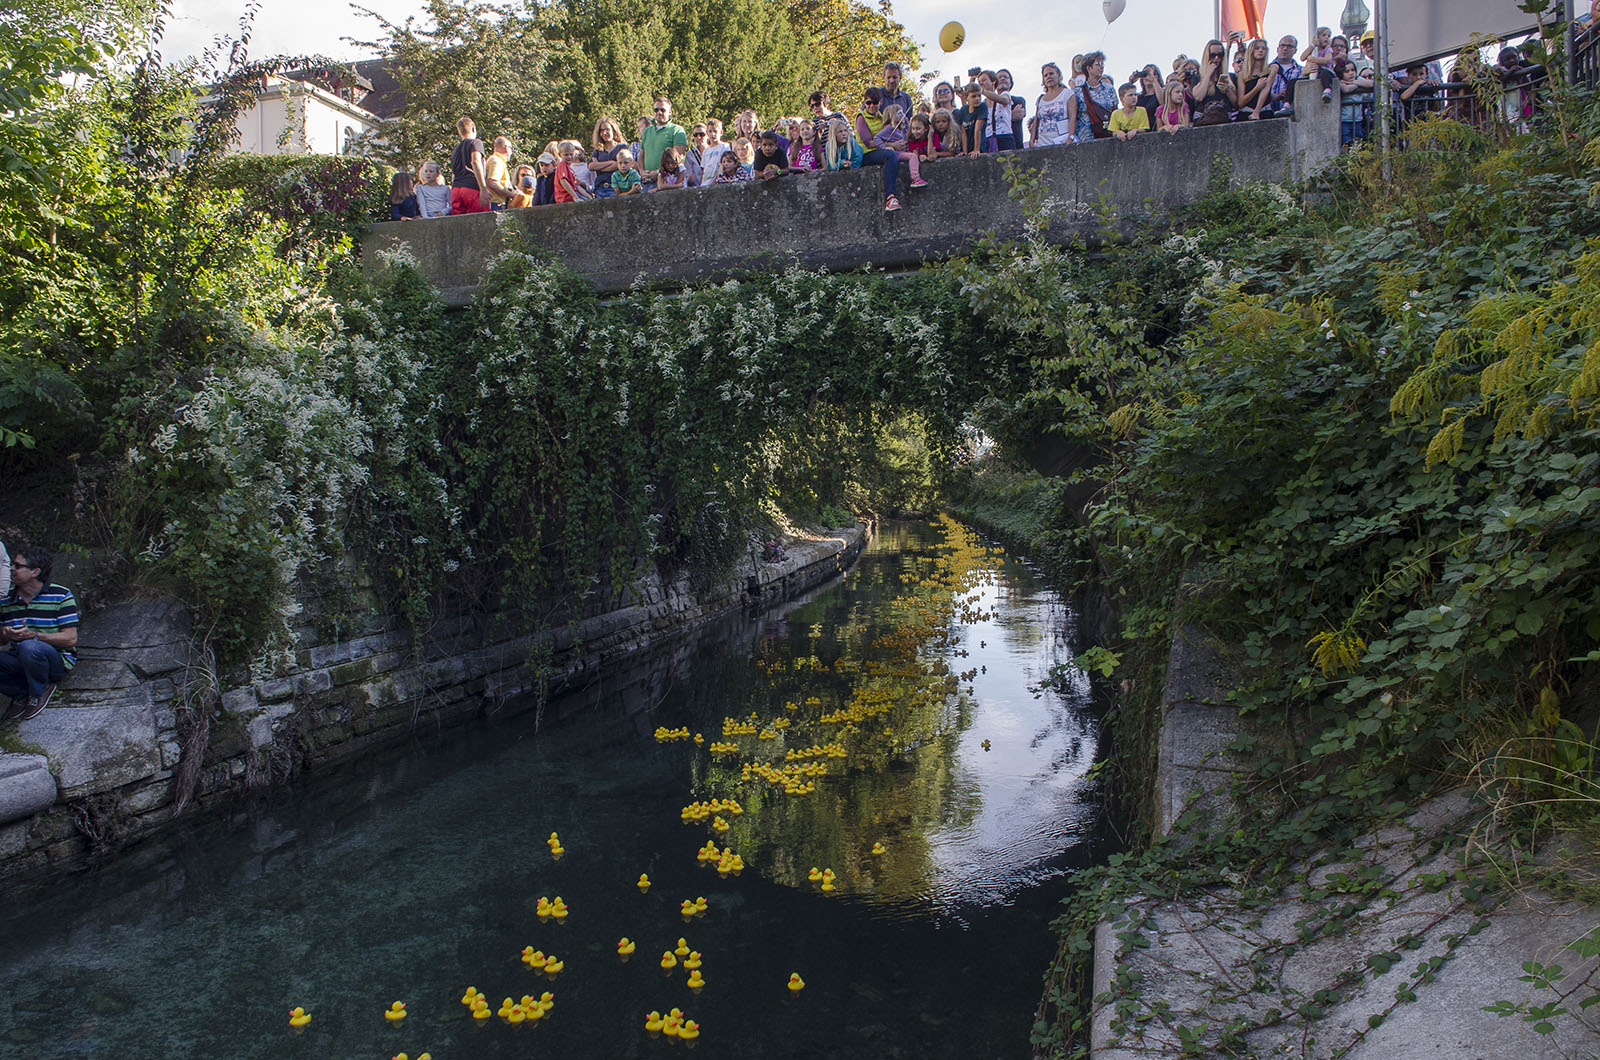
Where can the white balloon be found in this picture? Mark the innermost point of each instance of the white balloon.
(1113, 9)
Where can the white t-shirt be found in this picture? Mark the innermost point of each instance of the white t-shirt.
(999, 116)
(711, 161)
(1052, 115)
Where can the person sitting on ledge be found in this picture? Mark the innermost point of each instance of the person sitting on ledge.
(39, 630)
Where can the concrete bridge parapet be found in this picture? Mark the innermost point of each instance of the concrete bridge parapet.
(837, 221)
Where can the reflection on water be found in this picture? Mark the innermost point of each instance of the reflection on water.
(415, 875)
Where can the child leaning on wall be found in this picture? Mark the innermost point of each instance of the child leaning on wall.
(1130, 119)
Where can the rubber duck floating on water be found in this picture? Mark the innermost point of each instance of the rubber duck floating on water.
(691, 962)
(299, 1017)
(472, 995)
(669, 961)
(695, 980)
(544, 908)
(644, 882)
(531, 957)
(827, 879)
(654, 1021)
(683, 948)
(815, 875)
(796, 984)
(395, 1012)
(879, 848)
(558, 908)
(554, 843)
(625, 947)
(554, 965)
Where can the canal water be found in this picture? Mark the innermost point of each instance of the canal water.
(412, 876)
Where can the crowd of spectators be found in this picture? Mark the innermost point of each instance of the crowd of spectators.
(1237, 80)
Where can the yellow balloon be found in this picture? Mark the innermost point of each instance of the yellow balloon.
(951, 36)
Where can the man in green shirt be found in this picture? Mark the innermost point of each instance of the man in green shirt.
(658, 136)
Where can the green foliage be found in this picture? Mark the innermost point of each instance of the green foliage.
(318, 197)
(712, 57)
(1371, 447)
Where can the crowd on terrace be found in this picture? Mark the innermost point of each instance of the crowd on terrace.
(1232, 81)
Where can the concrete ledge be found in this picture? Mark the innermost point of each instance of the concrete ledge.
(837, 221)
(26, 786)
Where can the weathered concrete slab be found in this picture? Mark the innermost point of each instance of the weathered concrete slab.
(1405, 975)
(26, 786)
(97, 748)
(837, 221)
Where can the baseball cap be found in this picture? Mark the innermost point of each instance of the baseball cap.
(1368, 35)
(548, 159)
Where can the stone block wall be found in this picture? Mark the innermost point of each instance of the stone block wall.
(95, 771)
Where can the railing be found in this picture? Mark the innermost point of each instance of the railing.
(1488, 104)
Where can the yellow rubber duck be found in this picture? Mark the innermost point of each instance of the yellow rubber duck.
(796, 984)
(547, 1001)
(653, 1022)
(986, 745)
(299, 1017)
(554, 965)
(687, 907)
(683, 948)
(558, 909)
(672, 1026)
(879, 848)
(827, 883)
(689, 1031)
(644, 882)
(553, 841)
(399, 1056)
(696, 981)
(669, 961)
(815, 875)
(626, 946)
(534, 1012)
(505, 1008)
(700, 904)
(395, 1012)
(692, 961)
(516, 1015)
(535, 960)
(481, 1012)
(470, 996)
(544, 909)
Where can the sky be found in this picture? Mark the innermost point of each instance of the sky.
(1021, 41)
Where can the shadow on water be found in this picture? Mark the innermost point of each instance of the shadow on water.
(417, 873)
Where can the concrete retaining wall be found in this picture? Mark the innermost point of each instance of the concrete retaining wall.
(837, 221)
(95, 770)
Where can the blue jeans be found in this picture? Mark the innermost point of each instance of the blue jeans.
(28, 668)
(890, 161)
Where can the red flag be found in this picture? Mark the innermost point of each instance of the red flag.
(1244, 16)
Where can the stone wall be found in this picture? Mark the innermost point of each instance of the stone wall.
(837, 221)
(96, 769)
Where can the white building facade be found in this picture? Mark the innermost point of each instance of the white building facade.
(294, 117)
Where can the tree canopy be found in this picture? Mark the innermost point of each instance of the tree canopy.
(535, 72)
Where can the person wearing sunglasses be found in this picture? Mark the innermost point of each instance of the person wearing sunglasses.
(38, 634)
(659, 135)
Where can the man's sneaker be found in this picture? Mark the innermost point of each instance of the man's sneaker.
(891, 204)
(919, 183)
(38, 703)
(16, 708)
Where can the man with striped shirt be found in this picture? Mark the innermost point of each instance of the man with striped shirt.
(38, 632)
